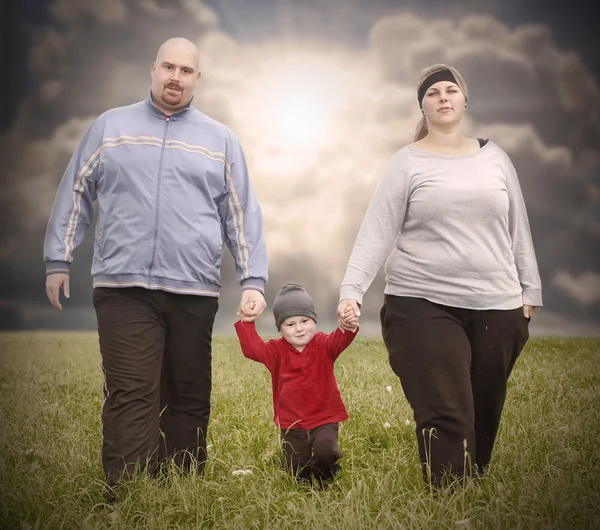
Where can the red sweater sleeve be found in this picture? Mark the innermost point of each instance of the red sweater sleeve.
(338, 341)
(253, 347)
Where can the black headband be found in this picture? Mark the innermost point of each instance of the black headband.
(436, 77)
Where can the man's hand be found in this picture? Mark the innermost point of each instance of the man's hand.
(53, 284)
(528, 311)
(252, 305)
(348, 313)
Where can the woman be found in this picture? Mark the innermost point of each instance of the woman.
(462, 280)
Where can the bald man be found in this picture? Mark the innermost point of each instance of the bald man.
(172, 189)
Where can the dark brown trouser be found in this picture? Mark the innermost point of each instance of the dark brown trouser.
(453, 366)
(156, 357)
(313, 453)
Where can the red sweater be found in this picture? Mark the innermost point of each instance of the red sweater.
(305, 391)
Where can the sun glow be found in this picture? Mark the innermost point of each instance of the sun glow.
(293, 105)
(301, 118)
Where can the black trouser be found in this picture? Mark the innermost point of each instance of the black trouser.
(313, 453)
(156, 357)
(453, 366)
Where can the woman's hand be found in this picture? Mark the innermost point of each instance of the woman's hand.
(528, 311)
(348, 313)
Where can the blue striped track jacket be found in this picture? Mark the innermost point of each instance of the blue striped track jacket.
(171, 192)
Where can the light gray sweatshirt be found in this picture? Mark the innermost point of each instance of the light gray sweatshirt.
(460, 230)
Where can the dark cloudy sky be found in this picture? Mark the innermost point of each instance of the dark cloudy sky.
(321, 94)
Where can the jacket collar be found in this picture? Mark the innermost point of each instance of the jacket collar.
(154, 110)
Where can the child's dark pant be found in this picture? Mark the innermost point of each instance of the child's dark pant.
(313, 453)
(453, 365)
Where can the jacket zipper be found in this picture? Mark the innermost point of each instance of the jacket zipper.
(157, 214)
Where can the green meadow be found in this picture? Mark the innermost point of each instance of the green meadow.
(545, 472)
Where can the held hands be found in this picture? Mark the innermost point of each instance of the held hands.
(348, 313)
(252, 305)
(53, 284)
(528, 311)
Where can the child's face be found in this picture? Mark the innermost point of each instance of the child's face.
(298, 331)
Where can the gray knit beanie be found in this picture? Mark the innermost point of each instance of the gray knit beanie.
(293, 301)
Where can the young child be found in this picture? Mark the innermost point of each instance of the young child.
(306, 398)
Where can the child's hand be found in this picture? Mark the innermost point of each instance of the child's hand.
(247, 310)
(252, 305)
(350, 319)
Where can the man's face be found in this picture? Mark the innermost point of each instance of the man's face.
(175, 76)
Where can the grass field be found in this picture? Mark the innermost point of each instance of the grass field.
(545, 472)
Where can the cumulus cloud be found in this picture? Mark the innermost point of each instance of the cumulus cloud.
(317, 123)
(514, 76)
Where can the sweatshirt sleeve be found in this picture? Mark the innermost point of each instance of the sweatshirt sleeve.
(72, 210)
(380, 226)
(253, 347)
(338, 341)
(522, 244)
(243, 222)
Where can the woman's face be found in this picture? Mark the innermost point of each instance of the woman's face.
(443, 104)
